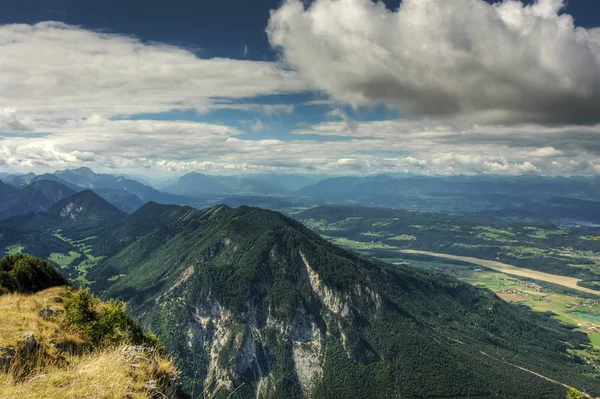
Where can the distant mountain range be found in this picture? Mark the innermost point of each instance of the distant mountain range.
(35, 197)
(527, 185)
(126, 194)
(497, 197)
(193, 188)
(86, 178)
(201, 185)
(501, 197)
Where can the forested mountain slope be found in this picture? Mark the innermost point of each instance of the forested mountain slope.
(253, 302)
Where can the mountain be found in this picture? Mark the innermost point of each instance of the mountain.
(252, 302)
(36, 197)
(200, 185)
(339, 185)
(20, 180)
(81, 215)
(84, 205)
(24, 180)
(121, 198)
(86, 178)
(125, 201)
(197, 185)
(48, 191)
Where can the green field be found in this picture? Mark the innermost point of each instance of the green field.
(64, 260)
(358, 245)
(372, 234)
(544, 234)
(82, 249)
(14, 249)
(403, 237)
(580, 311)
(567, 251)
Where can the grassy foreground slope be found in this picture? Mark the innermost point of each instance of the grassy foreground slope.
(62, 343)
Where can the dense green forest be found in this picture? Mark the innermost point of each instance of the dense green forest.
(27, 274)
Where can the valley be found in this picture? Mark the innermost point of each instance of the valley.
(568, 282)
(563, 298)
(554, 249)
(78, 262)
(389, 235)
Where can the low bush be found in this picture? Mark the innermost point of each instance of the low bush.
(28, 274)
(104, 323)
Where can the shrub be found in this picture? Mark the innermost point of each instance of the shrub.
(103, 324)
(28, 274)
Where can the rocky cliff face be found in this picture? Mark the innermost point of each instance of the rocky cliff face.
(71, 211)
(254, 305)
(241, 346)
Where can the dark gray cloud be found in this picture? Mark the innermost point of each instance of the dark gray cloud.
(10, 122)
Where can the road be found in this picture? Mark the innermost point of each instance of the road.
(568, 282)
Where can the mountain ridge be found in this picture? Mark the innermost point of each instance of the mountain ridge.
(37, 196)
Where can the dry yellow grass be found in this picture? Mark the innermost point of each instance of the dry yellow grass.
(50, 372)
(19, 314)
(103, 375)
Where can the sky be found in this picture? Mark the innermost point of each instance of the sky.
(337, 87)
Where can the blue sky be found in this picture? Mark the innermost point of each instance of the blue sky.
(337, 86)
(216, 28)
(213, 28)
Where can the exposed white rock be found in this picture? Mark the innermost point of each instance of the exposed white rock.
(71, 210)
(212, 311)
(185, 276)
(307, 362)
(332, 300)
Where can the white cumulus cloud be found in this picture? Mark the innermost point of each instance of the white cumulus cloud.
(52, 70)
(463, 59)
